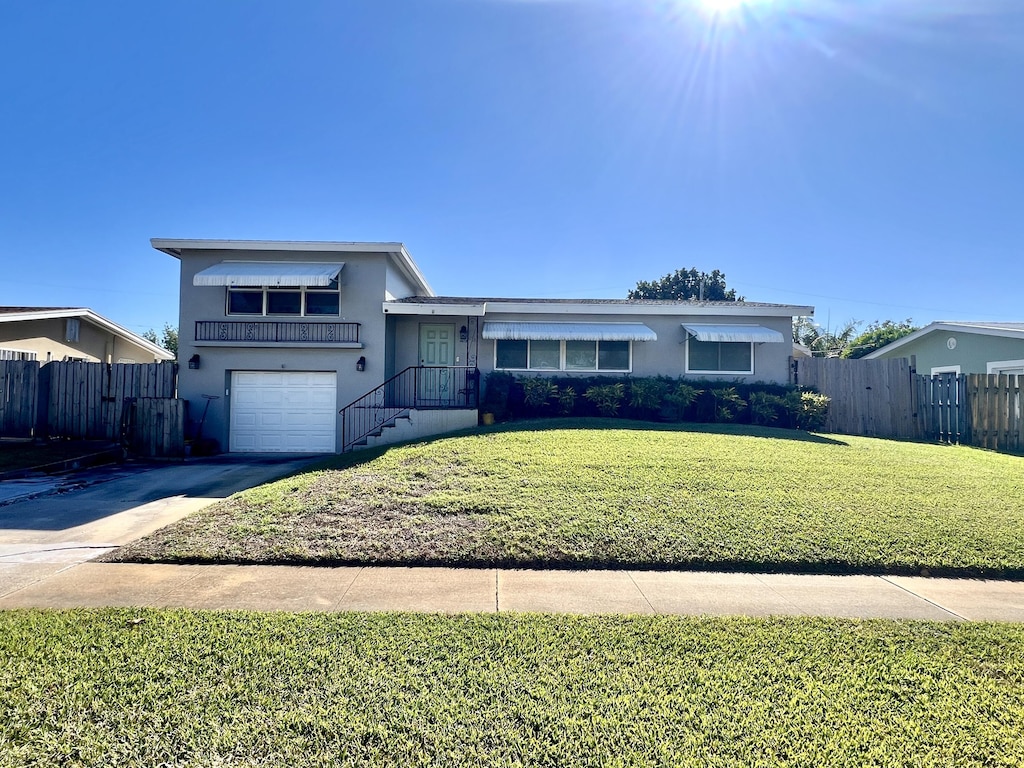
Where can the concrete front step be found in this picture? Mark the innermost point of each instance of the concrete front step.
(422, 423)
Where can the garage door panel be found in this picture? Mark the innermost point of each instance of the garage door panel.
(322, 398)
(291, 411)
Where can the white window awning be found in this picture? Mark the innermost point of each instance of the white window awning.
(260, 273)
(757, 334)
(568, 331)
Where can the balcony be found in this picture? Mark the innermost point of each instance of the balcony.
(244, 333)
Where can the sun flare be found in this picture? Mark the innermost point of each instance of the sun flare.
(723, 6)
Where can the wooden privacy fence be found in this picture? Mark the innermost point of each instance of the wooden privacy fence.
(995, 411)
(888, 398)
(131, 402)
(869, 397)
(85, 399)
(154, 426)
(19, 393)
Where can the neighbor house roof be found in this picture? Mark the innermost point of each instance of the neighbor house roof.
(1007, 330)
(481, 306)
(21, 314)
(396, 251)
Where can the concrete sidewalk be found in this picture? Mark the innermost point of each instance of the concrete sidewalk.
(454, 590)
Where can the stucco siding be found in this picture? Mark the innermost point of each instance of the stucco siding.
(664, 357)
(362, 290)
(46, 337)
(973, 351)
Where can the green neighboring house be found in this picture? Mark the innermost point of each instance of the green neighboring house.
(961, 347)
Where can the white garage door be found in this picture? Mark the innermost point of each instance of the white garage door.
(283, 411)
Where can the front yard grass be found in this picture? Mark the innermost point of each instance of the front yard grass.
(177, 688)
(593, 493)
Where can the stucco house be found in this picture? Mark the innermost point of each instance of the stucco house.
(961, 347)
(71, 333)
(316, 346)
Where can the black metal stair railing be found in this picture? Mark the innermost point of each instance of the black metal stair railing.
(417, 387)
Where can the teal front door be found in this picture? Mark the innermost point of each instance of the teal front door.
(437, 354)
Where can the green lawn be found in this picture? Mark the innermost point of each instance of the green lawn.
(176, 688)
(620, 494)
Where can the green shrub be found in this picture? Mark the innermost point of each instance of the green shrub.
(680, 397)
(497, 386)
(645, 395)
(813, 410)
(606, 398)
(538, 392)
(766, 409)
(566, 400)
(727, 404)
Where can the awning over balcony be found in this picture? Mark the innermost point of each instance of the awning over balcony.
(755, 333)
(569, 331)
(260, 273)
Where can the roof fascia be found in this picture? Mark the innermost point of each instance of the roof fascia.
(47, 314)
(426, 308)
(174, 247)
(633, 310)
(396, 251)
(401, 258)
(780, 310)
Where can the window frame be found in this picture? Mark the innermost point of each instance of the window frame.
(562, 357)
(267, 290)
(688, 369)
(996, 366)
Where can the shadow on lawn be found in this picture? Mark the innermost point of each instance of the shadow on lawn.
(356, 458)
(739, 430)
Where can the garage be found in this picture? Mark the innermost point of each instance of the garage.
(291, 412)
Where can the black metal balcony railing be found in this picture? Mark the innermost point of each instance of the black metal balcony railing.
(264, 332)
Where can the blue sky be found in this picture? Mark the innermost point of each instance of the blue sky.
(866, 158)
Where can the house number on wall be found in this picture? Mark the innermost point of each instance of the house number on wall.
(951, 343)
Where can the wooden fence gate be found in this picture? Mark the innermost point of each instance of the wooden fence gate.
(940, 407)
(19, 393)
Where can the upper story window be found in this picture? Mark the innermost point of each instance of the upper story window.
(275, 288)
(300, 301)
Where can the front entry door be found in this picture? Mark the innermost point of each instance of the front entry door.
(437, 348)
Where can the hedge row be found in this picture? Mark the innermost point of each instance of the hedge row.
(659, 398)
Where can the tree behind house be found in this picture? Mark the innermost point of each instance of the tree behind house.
(685, 284)
(877, 335)
(168, 339)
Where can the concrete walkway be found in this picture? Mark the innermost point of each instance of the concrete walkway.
(454, 590)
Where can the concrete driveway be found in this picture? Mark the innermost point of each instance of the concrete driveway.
(49, 524)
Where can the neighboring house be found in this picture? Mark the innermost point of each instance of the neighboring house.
(71, 333)
(286, 334)
(961, 347)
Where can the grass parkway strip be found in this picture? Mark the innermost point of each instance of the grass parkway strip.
(609, 494)
(179, 688)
